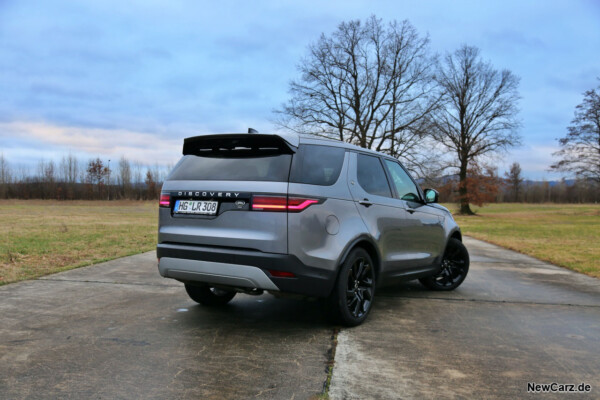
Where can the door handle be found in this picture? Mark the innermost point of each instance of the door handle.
(365, 202)
(411, 210)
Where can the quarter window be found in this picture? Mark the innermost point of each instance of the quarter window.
(371, 176)
(317, 165)
(404, 185)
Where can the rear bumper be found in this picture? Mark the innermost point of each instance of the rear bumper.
(242, 268)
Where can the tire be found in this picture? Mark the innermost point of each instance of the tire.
(354, 291)
(455, 267)
(209, 296)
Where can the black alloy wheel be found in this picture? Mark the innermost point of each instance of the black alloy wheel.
(355, 289)
(455, 266)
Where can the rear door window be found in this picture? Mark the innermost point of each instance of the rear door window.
(371, 176)
(317, 164)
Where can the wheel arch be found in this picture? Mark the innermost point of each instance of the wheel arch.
(455, 234)
(367, 243)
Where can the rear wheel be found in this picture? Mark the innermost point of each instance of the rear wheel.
(209, 296)
(455, 266)
(354, 291)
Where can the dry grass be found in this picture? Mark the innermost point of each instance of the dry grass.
(42, 237)
(563, 234)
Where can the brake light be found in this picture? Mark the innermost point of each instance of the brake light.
(281, 203)
(165, 200)
(269, 203)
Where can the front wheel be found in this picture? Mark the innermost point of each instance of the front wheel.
(209, 296)
(354, 291)
(455, 266)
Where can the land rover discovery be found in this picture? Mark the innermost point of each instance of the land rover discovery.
(296, 214)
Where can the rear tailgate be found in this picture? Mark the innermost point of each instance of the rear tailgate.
(211, 190)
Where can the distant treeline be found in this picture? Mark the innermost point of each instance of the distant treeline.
(71, 179)
(504, 191)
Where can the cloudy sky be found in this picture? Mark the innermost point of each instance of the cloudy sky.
(112, 78)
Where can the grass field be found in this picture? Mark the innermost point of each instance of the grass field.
(563, 234)
(41, 237)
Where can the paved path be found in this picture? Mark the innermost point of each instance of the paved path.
(119, 330)
(514, 320)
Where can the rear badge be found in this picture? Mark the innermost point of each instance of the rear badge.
(240, 203)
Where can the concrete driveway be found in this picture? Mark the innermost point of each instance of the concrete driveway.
(118, 330)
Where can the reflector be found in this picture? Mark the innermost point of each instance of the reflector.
(282, 274)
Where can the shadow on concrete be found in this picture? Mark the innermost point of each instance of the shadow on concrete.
(262, 312)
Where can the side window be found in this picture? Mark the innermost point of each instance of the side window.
(404, 185)
(317, 165)
(371, 176)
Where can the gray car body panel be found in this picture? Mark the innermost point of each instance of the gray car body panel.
(409, 237)
(216, 273)
(404, 239)
(318, 235)
(265, 232)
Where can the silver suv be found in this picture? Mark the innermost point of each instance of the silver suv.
(296, 214)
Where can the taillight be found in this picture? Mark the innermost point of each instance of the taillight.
(281, 203)
(298, 204)
(269, 203)
(165, 200)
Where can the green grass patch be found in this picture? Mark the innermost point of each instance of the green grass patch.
(43, 237)
(563, 234)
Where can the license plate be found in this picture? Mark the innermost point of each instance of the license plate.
(196, 207)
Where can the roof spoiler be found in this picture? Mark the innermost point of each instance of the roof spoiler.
(204, 144)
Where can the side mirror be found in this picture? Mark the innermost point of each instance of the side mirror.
(431, 196)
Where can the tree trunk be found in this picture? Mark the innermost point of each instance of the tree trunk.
(462, 190)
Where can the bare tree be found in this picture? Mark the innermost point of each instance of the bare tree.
(97, 175)
(479, 116)
(69, 167)
(41, 170)
(368, 84)
(514, 179)
(50, 172)
(151, 184)
(124, 177)
(5, 176)
(580, 150)
(46, 178)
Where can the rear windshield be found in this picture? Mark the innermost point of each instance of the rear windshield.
(226, 168)
(317, 165)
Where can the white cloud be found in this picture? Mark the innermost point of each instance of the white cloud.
(140, 146)
(535, 160)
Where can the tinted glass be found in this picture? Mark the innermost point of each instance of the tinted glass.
(317, 165)
(371, 176)
(404, 185)
(266, 168)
